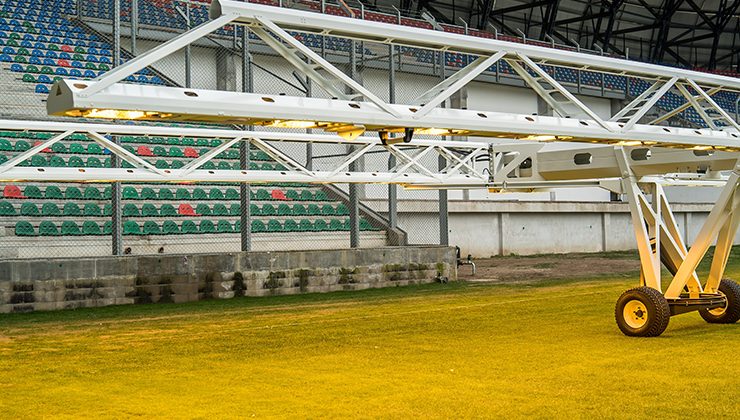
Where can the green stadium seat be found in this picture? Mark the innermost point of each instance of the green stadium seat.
(76, 162)
(37, 160)
(33, 191)
(91, 193)
(107, 192)
(189, 226)
(92, 209)
(292, 194)
(75, 148)
(268, 210)
(274, 226)
(24, 229)
(93, 162)
(220, 210)
(284, 210)
(336, 225)
(258, 226)
(199, 194)
(147, 193)
(341, 210)
(59, 148)
(161, 164)
(254, 209)
(129, 193)
(5, 145)
(149, 210)
(238, 226)
(313, 210)
(201, 143)
(73, 193)
(235, 209)
(224, 165)
(130, 227)
(321, 196)
(91, 228)
(175, 152)
(71, 209)
(57, 162)
(94, 149)
(224, 226)
(327, 210)
(50, 209)
(130, 210)
(29, 209)
(182, 194)
(306, 195)
(151, 228)
(290, 225)
(305, 225)
(215, 142)
(299, 210)
(22, 146)
(320, 225)
(365, 225)
(232, 194)
(172, 141)
(159, 151)
(48, 228)
(165, 194)
(208, 166)
(253, 166)
(203, 209)
(107, 209)
(28, 78)
(266, 167)
(263, 194)
(7, 209)
(167, 210)
(187, 141)
(206, 226)
(107, 227)
(176, 164)
(169, 227)
(70, 228)
(215, 194)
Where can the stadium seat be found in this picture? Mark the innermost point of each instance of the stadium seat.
(12, 191)
(149, 210)
(206, 226)
(262, 194)
(327, 210)
(130, 227)
(290, 225)
(92, 209)
(186, 210)
(189, 226)
(166, 194)
(202, 209)
(53, 192)
(235, 209)
(70, 228)
(107, 227)
(215, 194)
(70, 209)
(268, 210)
(151, 228)
(48, 228)
(167, 210)
(341, 210)
(313, 210)
(169, 227)
(6, 208)
(320, 225)
(336, 225)
(299, 210)
(305, 225)
(129, 193)
(199, 194)
(320, 196)
(274, 225)
(306, 195)
(258, 226)
(224, 226)
(130, 210)
(232, 194)
(220, 210)
(24, 228)
(29, 209)
(284, 210)
(72, 193)
(91, 228)
(254, 209)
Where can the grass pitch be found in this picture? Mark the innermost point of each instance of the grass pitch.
(544, 349)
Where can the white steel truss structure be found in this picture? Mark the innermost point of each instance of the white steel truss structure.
(638, 158)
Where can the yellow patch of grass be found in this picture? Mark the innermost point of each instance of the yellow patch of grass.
(547, 349)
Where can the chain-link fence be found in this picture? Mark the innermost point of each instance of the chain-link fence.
(72, 220)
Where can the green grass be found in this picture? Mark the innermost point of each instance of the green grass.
(549, 349)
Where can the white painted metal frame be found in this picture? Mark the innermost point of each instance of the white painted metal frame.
(350, 118)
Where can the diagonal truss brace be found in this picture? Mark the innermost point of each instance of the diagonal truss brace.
(439, 93)
(691, 99)
(725, 116)
(693, 102)
(637, 109)
(322, 63)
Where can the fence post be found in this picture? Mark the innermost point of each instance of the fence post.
(444, 238)
(116, 222)
(392, 188)
(244, 189)
(354, 201)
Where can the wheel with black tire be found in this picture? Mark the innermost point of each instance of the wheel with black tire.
(642, 312)
(730, 313)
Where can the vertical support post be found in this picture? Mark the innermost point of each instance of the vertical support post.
(134, 24)
(444, 228)
(354, 200)
(392, 188)
(116, 215)
(188, 74)
(309, 145)
(244, 190)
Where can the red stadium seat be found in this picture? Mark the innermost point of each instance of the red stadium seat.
(186, 210)
(191, 152)
(67, 48)
(144, 151)
(45, 150)
(63, 63)
(278, 195)
(11, 191)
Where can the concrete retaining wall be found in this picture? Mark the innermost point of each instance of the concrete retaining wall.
(34, 285)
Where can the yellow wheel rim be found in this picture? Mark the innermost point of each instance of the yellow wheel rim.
(719, 311)
(635, 314)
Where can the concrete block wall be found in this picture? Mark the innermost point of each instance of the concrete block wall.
(52, 284)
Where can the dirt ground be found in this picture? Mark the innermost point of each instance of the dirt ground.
(535, 267)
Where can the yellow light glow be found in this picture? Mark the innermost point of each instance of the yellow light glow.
(433, 131)
(701, 148)
(292, 124)
(630, 143)
(115, 114)
(540, 138)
